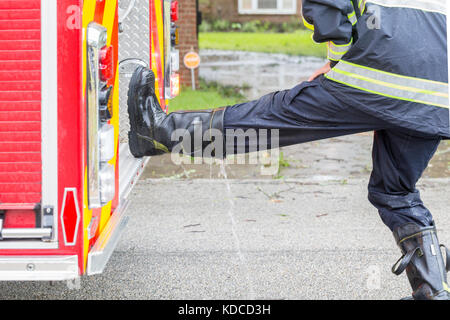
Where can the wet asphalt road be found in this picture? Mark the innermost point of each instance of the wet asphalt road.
(306, 236)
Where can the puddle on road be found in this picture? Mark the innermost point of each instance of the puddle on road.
(262, 73)
(347, 157)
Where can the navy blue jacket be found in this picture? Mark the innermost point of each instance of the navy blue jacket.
(389, 58)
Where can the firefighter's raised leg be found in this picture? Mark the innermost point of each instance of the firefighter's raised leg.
(304, 113)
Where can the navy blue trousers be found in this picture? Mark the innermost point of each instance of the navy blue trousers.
(308, 112)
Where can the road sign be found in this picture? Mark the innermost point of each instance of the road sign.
(192, 60)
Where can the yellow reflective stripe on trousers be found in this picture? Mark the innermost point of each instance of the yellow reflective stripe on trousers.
(391, 85)
(438, 6)
(337, 51)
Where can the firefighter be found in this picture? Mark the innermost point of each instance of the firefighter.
(388, 73)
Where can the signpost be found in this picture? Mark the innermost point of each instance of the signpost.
(192, 61)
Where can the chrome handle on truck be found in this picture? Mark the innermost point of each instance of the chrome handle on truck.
(23, 233)
(26, 233)
(44, 233)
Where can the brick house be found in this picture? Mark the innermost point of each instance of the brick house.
(276, 11)
(188, 36)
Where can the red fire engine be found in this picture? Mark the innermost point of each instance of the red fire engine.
(65, 168)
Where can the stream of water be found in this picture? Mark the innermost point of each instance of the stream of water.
(237, 241)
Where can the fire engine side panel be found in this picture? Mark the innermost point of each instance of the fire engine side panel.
(65, 83)
(20, 104)
(63, 78)
(71, 126)
(104, 12)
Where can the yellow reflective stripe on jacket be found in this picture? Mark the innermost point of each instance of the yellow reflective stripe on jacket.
(352, 18)
(307, 24)
(391, 85)
(337, 51)
(362, 6)
(438, 6)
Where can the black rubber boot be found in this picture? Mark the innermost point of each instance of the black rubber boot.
(153, 132)
(423, 261)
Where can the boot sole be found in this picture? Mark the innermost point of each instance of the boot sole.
(137, 147)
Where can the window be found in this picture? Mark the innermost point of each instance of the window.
(267, 6)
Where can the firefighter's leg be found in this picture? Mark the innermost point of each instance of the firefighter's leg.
(399, 161)
(304, 113)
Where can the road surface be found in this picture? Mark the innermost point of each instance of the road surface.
(310, 234)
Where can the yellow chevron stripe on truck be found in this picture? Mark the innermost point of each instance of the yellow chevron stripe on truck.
(108, 20)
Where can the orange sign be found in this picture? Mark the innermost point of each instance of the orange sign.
(192, 60)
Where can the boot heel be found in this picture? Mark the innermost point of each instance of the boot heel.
(134, 144)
